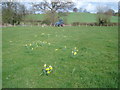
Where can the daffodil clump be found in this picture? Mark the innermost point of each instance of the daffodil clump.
(56, 49)
(47, 69)
(42, 43)
(64, 47)
(74, 51)
(30, 46)
(37, 44)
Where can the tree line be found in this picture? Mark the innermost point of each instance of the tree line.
(14, 12)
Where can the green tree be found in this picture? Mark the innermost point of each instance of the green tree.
(75, 9)
(12, 12)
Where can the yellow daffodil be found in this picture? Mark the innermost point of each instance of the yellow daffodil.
(56, 49)
(30, 44)
(32, 48)
(75, 53)
(47, 69)
(48, 72)
(72, 52)
(75, 48)
(50, 67)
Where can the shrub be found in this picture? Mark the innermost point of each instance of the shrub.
(46, 21)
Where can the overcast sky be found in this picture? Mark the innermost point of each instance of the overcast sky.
(90, 5)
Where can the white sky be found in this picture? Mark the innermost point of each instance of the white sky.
(61, 0)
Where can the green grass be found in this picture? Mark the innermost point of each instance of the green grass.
(73, 17)
(95, 65)
(0, 58)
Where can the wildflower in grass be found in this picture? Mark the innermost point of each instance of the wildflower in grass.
(47, 69)
(43, 34)
(30, 44)
(48, 72)
(74, 51)
(56, 49)
(45, 42)
(26, 45)
(10, 41)
(48, 43)
(32, 48)
(75, 48)
(50, 67)
(65, 46)
(44, 65)
(48, 34)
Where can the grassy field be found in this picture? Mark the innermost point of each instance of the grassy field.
(94, 66)
(73, 17)
(0, 58)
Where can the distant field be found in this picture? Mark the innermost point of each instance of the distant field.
(73, 17)
(94, 66)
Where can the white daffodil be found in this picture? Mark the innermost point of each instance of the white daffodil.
(45, 65)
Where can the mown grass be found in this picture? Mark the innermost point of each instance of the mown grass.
(95, 65)
(73, 17)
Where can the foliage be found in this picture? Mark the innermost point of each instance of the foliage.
(104, 15)
(76, 23)
(46, 21)
(12, 13)
(64, 16)
(50, 18)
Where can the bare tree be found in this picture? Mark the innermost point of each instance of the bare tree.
(52, 7)
(12, 12)
(103, 15)
(119, 8)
